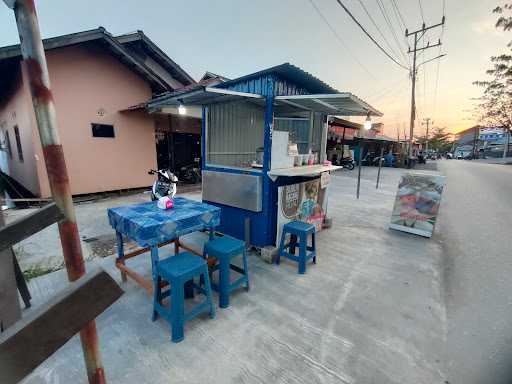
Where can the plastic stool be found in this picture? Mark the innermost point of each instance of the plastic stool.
(299, 232)
(178, 270)
(224, 249)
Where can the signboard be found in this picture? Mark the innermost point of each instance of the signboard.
(417, 203)
(302, 201)
(491, 134)
(325, 179)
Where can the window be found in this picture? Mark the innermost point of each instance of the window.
(102, 130)
(234, 134)
(8, 144)
(18, 143)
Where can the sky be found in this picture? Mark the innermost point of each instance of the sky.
(238, 37)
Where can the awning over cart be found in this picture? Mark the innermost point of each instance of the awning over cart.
(201, 96)
(340, 104)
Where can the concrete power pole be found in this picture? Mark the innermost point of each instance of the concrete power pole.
(417, 36)
(507, 142)
(427, 121)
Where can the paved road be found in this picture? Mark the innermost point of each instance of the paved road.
(474, 228)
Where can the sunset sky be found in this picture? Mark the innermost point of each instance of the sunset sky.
(237, 37)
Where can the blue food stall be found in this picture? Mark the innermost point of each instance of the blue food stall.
(264, 141)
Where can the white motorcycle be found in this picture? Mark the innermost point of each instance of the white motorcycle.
(164, 185)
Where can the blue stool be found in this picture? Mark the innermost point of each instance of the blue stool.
(177, 271)
(298, 230)
(224, 249)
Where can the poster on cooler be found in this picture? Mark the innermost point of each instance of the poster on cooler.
(417, 203)
(302, 201)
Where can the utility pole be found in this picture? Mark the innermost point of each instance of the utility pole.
(427, 121)
(417, 36)
(506, 142)
(475, 140)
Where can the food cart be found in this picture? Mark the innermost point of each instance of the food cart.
(264, 147)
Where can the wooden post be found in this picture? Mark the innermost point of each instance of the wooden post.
(10, 310)
(45, 329)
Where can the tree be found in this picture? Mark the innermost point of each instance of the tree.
(439, 140)
(495, 104)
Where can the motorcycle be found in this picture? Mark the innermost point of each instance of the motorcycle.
(190, 173)
(347, 162)
(164, 185)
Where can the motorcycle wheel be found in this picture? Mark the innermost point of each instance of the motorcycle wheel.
(349, 166)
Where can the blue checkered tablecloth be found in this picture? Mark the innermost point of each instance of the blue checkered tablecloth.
(148, 225)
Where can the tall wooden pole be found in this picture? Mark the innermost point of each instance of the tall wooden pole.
(417, 35)
(413, 103)
(34, 61)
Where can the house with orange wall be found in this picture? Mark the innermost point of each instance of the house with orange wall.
(96, 79)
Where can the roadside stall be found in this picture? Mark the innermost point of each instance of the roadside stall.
(264, 141)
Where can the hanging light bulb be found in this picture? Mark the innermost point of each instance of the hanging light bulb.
(368, 122)
(181, 109)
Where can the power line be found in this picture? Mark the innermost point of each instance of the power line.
(370, 36)
(396, 8)
(399, 16)
(340, 40)
(377, 27)
(421, 11)
(439, 64)
(396, 86)
(390, 26)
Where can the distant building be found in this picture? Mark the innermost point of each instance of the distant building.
(492, 134)
(100, 84)
(484, 140)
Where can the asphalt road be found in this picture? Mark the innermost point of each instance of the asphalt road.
(474, 227)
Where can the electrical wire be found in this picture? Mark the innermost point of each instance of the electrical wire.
(383, 92)
(439, 64)
(377, 27)
(385, 14)
(396, 8)
(341, 41)
(399, 17)
(421, 11)
(370, 36)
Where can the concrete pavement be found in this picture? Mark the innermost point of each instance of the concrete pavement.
(370, 311)
(474, 229)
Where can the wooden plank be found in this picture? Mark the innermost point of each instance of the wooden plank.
(35, 199)
(140, 251)
(40, 333)
(26, 226)
(139, 279)
(10, 310)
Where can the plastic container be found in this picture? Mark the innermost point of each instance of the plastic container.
(165, 203)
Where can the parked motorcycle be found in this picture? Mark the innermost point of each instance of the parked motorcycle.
(164, 185)
(347, 162)
(191, 173)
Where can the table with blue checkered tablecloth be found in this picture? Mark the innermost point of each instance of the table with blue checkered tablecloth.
(151, 226)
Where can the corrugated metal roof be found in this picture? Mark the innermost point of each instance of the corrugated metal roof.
(149, 46)
(115, 46)
(345, 104)
(290, 72)
(201, 95)
(302, 91)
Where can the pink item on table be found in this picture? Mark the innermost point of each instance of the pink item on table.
(327, 162)
(165, 203)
